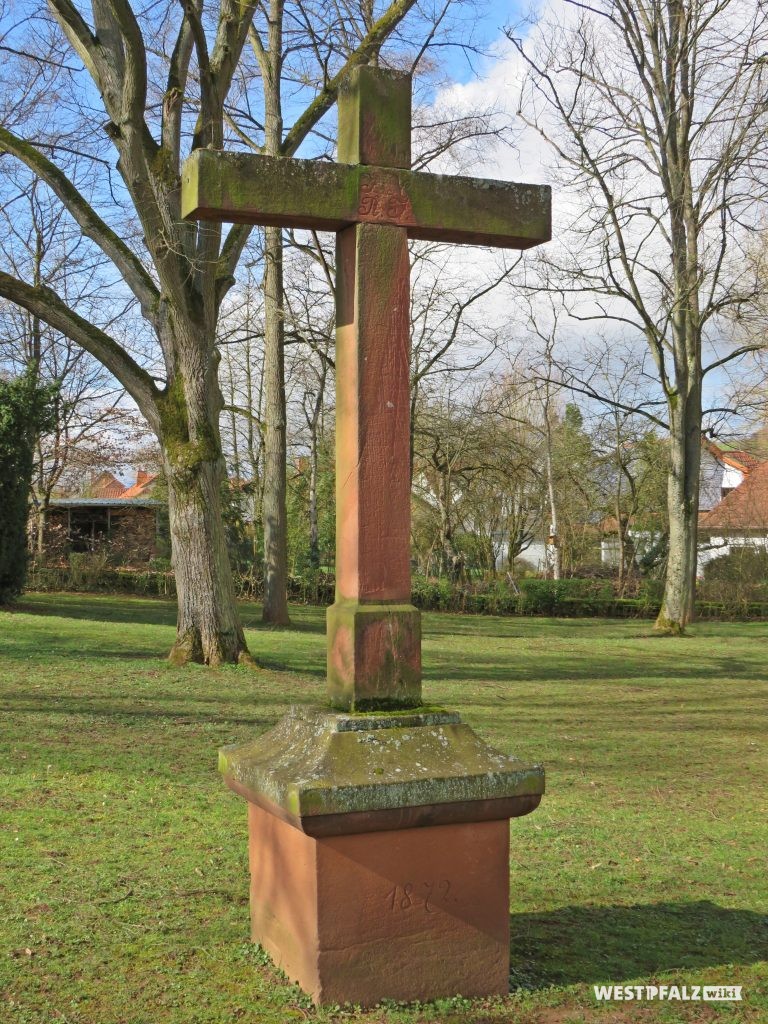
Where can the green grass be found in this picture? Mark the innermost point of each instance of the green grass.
(123, 890)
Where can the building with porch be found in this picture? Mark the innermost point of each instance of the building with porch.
(112, 516)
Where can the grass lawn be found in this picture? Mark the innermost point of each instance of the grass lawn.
(123, 890)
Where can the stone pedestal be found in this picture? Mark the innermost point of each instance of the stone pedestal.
(404, 914)
(379, 853)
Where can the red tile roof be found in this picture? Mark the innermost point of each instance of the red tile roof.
(741, 460)
(107, 486)
(143, 484)
(745, 508)
(735, 457)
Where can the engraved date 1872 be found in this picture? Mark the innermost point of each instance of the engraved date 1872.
(426, 896)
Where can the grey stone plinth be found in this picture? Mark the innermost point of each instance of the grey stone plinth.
(330, 774)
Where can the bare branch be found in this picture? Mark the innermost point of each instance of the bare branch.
(126, 261)
(44, 303)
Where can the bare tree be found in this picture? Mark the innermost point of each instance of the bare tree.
(310, 321)
(241, 343)
(90, 422)
(452, 333)
(166, 78)
(655, 110)
(358, 29)
(503, 506)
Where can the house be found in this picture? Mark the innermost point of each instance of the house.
(722, 471)
(724, 521)
(110, 516)
(143, 487)
(739, 520)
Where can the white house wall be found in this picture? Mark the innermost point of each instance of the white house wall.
(535, 554)
(731, 478)
(719, 547)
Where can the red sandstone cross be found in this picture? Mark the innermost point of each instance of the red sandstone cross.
(375, 204)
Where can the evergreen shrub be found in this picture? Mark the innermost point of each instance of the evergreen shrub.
(25, 410)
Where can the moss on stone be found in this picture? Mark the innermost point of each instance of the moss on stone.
(375, 117)
(313, 763)
(373, 656)
(395, 713)
(309, 193)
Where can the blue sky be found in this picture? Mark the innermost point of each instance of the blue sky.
(491, 16)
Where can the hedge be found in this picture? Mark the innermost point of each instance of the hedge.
(569, 598)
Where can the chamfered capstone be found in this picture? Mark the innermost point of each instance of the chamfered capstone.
(322, 771)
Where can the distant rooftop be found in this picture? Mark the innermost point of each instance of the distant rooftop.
(736, 457)
(144, 482)
(106, 489)
(744, 508)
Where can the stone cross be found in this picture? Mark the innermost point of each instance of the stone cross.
(375, 203)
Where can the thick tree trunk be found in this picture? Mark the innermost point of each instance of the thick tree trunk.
(677, 608)
(208, 626)
(684, 406)
(274, 512)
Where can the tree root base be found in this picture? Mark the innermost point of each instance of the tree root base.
(278, 622)
(668, 627)
(188, 650)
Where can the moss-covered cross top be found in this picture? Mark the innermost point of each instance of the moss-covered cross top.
(375, 203)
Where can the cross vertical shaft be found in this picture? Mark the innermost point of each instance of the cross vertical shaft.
(374, 634)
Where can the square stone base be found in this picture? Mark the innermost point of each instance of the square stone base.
(411, 914)
(374, 655)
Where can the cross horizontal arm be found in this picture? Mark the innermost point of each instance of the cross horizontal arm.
(278, 192)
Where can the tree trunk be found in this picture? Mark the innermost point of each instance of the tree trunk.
(677, 608)
(208, 628)
(448, 551)
(40, 531)
(274, 506)
(274, 510)
(314, 544)
(553, 541)
(621, 528)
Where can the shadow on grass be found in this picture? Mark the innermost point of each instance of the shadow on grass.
(144, 610)
(585, 666)
(161, 706)
(478, 663)
(154, 611)
(586, 945)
